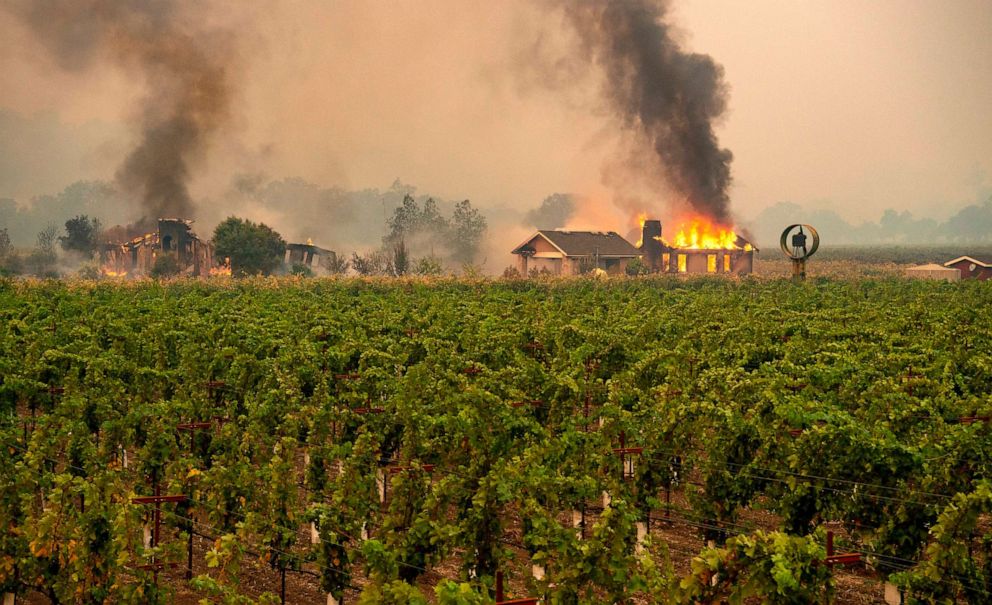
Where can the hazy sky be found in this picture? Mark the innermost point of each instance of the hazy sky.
(858, 106)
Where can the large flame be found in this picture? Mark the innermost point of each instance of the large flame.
(700, 233)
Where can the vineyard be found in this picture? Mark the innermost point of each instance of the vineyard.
(462, 442)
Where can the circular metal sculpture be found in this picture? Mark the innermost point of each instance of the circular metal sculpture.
(797, 246)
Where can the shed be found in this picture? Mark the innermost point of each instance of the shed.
(572, 252)
(933, 271)
(971, 268)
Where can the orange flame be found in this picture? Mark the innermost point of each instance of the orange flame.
(700, 233)
(222, 269)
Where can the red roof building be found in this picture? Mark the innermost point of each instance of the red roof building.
(971, 268)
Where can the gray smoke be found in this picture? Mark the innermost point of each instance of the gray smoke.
(664, 93)
(185, 69)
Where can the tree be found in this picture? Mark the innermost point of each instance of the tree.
(253, 248)
(971, 224)
(405, 219)
(431, 220)
(46, 241)
(376, 262)
(428, 266)
(5, 246)
(401, 258)
(42, 259)
(467, 227)
(553, 212)
(81, 235)
(636, 266)
(423, 230)
(336, 265)
(411, 223)
(10, 262)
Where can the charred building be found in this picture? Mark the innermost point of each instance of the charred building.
(315, 258)
(137, 257)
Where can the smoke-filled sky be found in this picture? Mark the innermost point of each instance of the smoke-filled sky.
(858, 106)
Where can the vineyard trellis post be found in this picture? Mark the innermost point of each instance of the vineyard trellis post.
(191, 427)
(590, 366)
(157, 499)
(626, 455)
(844, 559)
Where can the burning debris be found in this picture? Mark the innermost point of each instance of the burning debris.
(138, 256)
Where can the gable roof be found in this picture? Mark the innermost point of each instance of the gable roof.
(969, 259)
(585, 243)
(309, 247)
(932, 267)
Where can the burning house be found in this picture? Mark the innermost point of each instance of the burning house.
(137, 257)
(697, 247)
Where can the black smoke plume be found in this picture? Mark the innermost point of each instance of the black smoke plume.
(184, 68)
(668, 95)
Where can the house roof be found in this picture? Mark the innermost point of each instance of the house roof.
(585, 243)
(970, 259)
(309, 247)
(931, 267)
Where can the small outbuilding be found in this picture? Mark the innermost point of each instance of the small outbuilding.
(313, 257)
(934, 272)
(575, 252)
(971, 268)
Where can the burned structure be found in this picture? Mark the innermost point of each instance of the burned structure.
(137, 257)
(695, 249)
(317, 259)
